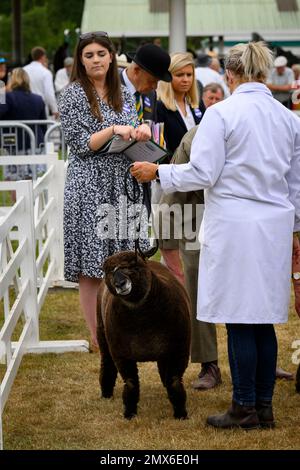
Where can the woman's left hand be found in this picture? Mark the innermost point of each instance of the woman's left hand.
(144, 171)
(142, 133)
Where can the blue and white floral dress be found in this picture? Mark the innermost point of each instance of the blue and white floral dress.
(97, 215)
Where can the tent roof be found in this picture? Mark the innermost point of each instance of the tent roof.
(233, 19)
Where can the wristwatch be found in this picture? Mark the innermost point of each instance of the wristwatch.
(296, 276)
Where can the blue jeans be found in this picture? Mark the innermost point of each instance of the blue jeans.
(252, 352)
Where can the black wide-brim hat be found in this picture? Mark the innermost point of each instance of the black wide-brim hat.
(154, 60)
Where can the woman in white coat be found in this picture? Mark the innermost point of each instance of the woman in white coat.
(246, 155)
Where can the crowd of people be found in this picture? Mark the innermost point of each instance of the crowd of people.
(233, 149)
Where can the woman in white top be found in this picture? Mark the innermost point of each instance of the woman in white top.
(246, 155)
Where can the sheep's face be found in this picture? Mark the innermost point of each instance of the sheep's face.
(127, 276)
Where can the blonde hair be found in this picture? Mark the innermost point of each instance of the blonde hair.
(250, 62)
(296, 69)
(19, 79)
(165, 91)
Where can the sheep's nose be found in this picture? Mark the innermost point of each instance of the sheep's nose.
(119, 279)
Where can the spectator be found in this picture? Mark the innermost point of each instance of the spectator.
(296, 88)
(205, 74)
(3, 70)
(212, 94)
(215, 65)
(122, 62)
(295, 69)
(280, 81)
(149, 64)
(60, 54)
(178, 101)
(62, 77)
(22, 104)
(41, 79)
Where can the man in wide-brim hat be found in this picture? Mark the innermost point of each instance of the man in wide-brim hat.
(150, 64)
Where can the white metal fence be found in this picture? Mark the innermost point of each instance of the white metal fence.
(31, 257)
(34, 136)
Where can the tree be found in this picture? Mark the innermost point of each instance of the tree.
(43, 23)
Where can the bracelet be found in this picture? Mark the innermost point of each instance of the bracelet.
(113, 129)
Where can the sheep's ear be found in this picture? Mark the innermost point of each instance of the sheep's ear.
(151, 252)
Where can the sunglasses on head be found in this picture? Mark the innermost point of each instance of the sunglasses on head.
(94, 34)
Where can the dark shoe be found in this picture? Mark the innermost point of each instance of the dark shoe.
(209, 377)
(237, 416)
(265, 414)
(283, 374)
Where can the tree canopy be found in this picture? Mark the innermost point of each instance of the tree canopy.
(43, 24)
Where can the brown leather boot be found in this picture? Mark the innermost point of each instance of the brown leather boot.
(237, 416)
(209, 377)
(265, 414)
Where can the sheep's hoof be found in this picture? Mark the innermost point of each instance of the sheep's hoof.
(129, 416)
(182, 415)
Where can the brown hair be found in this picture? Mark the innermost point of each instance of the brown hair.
(113, 83)
(213, 87)
(37, 53)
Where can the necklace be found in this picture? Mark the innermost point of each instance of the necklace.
(101, 93)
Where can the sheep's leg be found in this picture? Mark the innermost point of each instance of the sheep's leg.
(162, 371)
(131, 390)
(176, 391)
(108, 370)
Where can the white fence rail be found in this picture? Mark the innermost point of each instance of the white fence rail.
(31, 254)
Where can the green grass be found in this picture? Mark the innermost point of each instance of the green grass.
(55, 401)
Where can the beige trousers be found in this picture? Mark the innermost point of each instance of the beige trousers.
(204, 338)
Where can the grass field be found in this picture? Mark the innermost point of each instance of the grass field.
(55, 401)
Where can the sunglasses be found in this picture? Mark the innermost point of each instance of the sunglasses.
(95, 34)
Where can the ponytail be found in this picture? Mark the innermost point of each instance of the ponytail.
(251, 62)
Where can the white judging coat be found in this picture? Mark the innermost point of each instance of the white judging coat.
(246, 155)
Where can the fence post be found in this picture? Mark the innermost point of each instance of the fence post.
(28, 265)
(56, 190)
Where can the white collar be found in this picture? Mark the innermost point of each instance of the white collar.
(252, 86)
(128, 83)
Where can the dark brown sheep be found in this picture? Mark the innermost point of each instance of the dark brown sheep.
(143, 315)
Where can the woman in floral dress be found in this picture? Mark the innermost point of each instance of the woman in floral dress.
(93, 108)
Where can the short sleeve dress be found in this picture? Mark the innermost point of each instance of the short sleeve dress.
(99, 220)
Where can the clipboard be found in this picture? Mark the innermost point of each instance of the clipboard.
(147, 151)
